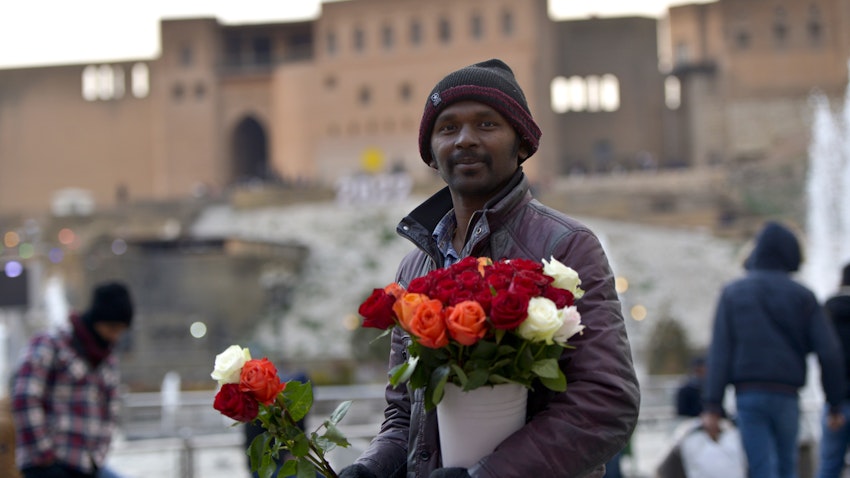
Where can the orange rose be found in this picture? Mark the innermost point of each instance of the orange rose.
(259, 378)
(394, 290)
(405, 307)
(466, 322)
(483, 263)
(428, 324)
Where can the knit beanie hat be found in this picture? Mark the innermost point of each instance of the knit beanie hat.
(110, 303)
(490, 82)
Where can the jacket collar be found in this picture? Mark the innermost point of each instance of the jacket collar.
(421, 222)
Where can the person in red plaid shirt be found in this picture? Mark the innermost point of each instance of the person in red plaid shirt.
(65, 391)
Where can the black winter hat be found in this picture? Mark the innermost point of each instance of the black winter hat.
(110, 303)
(490, 82)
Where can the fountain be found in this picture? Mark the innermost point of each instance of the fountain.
(828, 197)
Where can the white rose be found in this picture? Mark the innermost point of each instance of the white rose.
(544, 320)
(565, 277)
(228, 364)
(572, 325)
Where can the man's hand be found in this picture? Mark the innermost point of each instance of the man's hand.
(835, 421)
(711, 424)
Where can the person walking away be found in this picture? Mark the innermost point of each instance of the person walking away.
(765, 326)
(65, 390)
(476, 131)
(835, 436)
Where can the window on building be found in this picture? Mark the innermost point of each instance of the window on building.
(672, 92)
(780, 27)
(507, 23)
(445, 30)
(233, 50)
(742, 39)
(330, 43)
(105, 82)
(262, 46)
(359, 39)
(592, 93)
(814, 26)
(90, 83)
(477, 26)
(330, 82)
(140, 80)
(186, 55)
(365, 95)
(405, 92)
(177, 91)
(387, 37)
(415, 32)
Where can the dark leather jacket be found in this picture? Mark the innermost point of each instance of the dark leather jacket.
(569, 434)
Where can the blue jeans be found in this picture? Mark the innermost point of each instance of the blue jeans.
(769, 423)
(833, 446)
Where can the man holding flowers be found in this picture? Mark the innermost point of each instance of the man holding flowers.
(476, 131)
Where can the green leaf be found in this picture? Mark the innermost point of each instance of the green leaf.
(301, 446)
(558, 384)
(340, 412)
(289, 468)
(334, 435)
(547, 368)
(298, 398)
(438, 382)
(305, 469)
(477, 378)
(257, 448)
(461, 375)
(484, 349)
(401, 373)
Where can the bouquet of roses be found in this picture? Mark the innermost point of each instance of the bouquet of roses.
(251, 390)
(480, 322)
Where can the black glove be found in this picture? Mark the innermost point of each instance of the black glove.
(50, 471)
(450, 473)
(356, 471)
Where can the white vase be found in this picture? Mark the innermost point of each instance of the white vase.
(473, 423)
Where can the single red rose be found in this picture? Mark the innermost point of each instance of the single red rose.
(526, 265)
(259, 378)
(524, 286)
(377, 310)
(421, 285)
(470, 280)
(468, 263)
(238, 405)
(459, 296)
(508, 310)
(499, 280)
(561, 297)
(484, 297)
(538, 278)
(445, 290)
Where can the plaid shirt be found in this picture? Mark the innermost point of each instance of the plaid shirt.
(64, 410)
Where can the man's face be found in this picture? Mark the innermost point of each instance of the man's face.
(475, 149)
(110, 331)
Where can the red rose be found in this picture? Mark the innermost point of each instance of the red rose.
(468, 263)
(523, 285)
(526, 265)
(421, 285)
(469, 280)
(508, 310)
(445, 290)
(377, 310)
(499, 280)
(259, 378)
(561, 297)
(233, 403)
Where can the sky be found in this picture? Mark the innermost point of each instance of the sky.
(51, 32)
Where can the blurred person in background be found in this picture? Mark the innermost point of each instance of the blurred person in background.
(766, 324)
(65, 390)
(836, 431)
